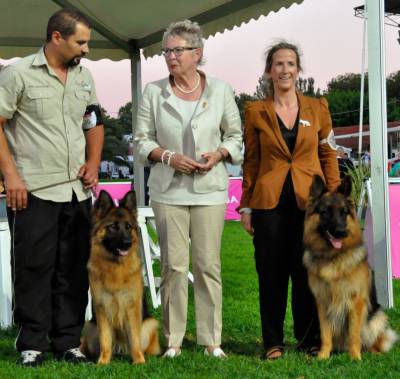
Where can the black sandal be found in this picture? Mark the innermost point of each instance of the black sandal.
(271, 354)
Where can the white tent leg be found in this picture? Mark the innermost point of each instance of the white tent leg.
(378, 138)
(361, 119)
(136, 83)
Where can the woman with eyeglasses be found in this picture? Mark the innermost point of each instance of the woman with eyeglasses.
(188, 125)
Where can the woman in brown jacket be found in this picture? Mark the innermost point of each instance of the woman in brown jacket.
(288, 139)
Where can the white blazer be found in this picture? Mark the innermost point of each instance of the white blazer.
(215, 124)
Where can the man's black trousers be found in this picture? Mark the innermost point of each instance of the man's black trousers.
(278, 243)
(50, 249)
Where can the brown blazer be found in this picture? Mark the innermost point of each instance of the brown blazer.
(267, 159)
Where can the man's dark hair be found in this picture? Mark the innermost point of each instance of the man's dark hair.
(64, 21)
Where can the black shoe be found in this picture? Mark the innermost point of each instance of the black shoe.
(31, 358)
(74, 356)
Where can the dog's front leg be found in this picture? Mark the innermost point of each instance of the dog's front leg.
(105, 337)
(357, 315)
(326, 333)
(134, 318)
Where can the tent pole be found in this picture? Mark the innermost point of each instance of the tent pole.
(136, 85)
(379, 157)
(360, 127)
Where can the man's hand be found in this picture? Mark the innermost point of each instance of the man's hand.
(245, 219)
(17, 194)
(89, 174)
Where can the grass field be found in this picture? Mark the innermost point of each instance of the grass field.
(241, 340)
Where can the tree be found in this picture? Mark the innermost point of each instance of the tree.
(262, 89)
(343, 94)
(345, 107)
(125, 117)
(393, 85)
(306, 86)
(347, 82)
(241, 100)
(114, 145)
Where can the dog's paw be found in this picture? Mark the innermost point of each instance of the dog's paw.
(355, 356)
(104, 359)
(138, 358)
(323, 354)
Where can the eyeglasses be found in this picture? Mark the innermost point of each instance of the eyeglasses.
(178, 51)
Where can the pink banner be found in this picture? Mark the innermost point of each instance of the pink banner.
(117, 190)
(234, 195)
(394, 205)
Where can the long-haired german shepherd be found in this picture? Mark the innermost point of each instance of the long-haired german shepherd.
(116, 285)
(339, 275)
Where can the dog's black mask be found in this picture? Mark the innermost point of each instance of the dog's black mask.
(333, 210)
(118, 237)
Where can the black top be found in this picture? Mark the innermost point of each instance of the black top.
(289, 135)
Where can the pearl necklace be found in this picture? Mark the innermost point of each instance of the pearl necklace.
(193, 89)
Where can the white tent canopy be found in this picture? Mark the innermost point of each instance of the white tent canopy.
(121, 27)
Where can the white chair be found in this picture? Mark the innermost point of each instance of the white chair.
(5, 268)
(150, 251)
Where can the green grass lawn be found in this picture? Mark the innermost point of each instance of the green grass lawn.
(241, 340)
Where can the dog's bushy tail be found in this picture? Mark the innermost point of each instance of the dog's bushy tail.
(377, 336)
(390, 338)
(149, 336)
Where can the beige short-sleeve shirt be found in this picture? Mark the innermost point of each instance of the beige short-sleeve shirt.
(44, 128)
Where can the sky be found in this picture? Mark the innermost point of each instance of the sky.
(328, 33)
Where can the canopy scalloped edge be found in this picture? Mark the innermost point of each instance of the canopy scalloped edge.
(236, 19)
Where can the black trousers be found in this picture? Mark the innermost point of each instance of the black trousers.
(51, 249)
(278, 243)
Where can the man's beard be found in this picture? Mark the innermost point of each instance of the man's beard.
(75, 61)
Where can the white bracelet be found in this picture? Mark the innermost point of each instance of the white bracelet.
(170, 156)
(162, 155)
(245, 210)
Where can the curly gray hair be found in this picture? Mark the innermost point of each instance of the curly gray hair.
(188, 30)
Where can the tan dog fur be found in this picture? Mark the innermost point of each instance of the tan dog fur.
(341, 280)
(117, 287)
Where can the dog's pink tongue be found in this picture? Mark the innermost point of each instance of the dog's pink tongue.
(123, 252)
(336, 243)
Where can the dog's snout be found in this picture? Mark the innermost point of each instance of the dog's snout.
(126, 243)
(339, 232)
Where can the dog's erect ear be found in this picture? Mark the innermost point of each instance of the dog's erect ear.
(318, 187)
(103, 204)
(129, 201)
(345, 186)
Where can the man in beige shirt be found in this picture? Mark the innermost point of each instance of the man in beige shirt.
(50, 154)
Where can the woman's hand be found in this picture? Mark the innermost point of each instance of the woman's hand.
(184, 164)
(211, 159)
(245, 219)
